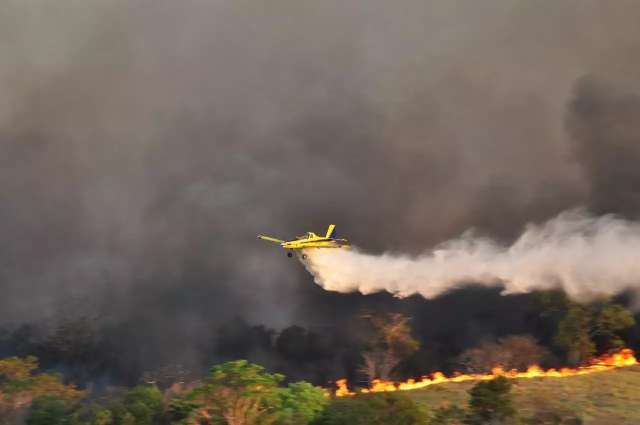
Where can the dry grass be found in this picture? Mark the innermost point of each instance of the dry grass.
(611, 397)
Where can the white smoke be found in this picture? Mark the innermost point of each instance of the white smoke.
(584, 255)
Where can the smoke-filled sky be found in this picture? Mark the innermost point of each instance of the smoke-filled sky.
(144, 144)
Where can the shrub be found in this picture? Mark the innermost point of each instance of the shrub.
(385, 408)
(490, 402)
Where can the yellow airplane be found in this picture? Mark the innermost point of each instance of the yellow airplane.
(310, 240)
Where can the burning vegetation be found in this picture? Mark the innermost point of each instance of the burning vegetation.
(375, 350)
(622, 358)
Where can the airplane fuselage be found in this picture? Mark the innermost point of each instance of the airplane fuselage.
(310, 240)
(315, 243)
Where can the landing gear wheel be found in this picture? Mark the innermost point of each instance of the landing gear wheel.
(289, 254)
(304, 256)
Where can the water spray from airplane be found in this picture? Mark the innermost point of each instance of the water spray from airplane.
(586, 256)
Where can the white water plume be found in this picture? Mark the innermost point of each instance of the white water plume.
(586, 256)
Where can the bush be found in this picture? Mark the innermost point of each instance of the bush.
(49, 410)
(385, 408)
(451, 415)
(141, 405)
(490, 402)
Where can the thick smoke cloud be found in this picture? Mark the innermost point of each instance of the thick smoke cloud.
(603, 121)
(143, 145)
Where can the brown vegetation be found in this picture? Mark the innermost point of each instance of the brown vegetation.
(511, 352)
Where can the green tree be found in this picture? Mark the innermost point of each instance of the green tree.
(237, 393)
(145, 405)
(574, 334)
(141, 405)
(17, 377)
(490, 402)
(241, 393)
(609, 322)
(50, 410)
(20, 385)
(180, 409)
(385, 408)
(301, 402)
(581, 330)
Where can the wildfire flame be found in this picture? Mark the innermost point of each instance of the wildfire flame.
(622, 358)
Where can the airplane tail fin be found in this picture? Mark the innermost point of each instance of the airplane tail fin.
(331, 231)
(270, 239)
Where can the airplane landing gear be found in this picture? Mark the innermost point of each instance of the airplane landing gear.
(289, 254)
(304, 256)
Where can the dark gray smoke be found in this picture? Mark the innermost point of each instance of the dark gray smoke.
(143, 145)
(603, 121)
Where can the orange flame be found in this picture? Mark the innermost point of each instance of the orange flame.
(622, 358)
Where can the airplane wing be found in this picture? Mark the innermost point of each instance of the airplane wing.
(270, 239)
